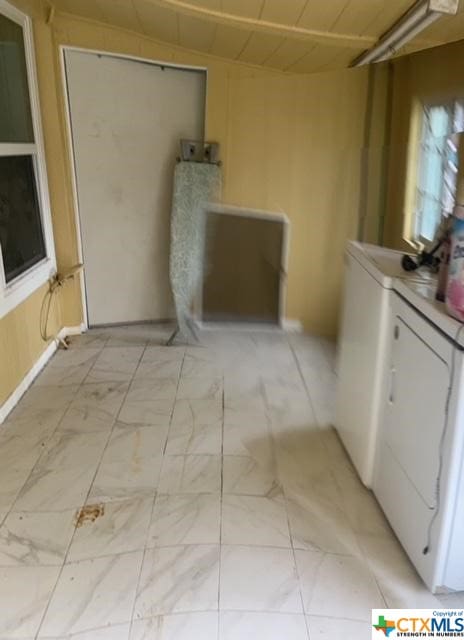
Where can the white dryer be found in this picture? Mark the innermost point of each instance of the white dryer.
(419, 479)
(370, 273)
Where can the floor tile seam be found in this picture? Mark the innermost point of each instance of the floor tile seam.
(323, 443)
(79, 633)
(177, 613)
(87, 431)
(326, 554)
(76, 510)
(23, 565)
(272, 440)
(52, 433)
(109, 381)
(61, 466)
(270, 612)
(140, 548)
(314, 581)
(189, 455)
(251, 495)
(196, 545)
(142, 458)
(262, 547)
(124, 345)
(142, 619)
(295, 565)
(363, 556)
(137, 584)
(58, 365)
(60, 573)
(144, 552)
(110, 433)
(186, 494)
(105, 574)
(325, 617)
(360, 555)
(133, 426)
(303, 380)
(173, 405)
(221, 505)
(122, 377)
(264, 611)
(118, 554)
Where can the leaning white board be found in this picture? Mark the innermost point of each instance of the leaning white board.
(127, 118)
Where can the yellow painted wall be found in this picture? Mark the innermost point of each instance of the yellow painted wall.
(294, 145)
(20, 342)
(288, 142)
(431, 76)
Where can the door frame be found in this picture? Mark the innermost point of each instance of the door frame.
(70, 142)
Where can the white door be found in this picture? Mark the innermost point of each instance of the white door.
(127, 118)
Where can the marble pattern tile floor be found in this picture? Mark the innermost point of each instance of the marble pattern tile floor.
(191, 492)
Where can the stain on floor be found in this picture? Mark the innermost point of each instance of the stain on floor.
(89, 514)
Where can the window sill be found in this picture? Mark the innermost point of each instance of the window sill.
(416, 245)
(12, 295)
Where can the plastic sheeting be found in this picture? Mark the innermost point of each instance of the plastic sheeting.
(195, 184)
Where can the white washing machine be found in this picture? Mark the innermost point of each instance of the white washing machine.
(419, 479)
(370, 273)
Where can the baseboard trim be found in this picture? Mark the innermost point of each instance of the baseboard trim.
(72, 331)
(31, 375)
(292, 326)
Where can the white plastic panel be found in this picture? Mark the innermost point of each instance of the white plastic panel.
(361, 366)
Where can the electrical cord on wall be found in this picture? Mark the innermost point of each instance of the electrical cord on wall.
(427, 547)
(54, 284)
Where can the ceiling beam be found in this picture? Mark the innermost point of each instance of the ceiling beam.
(264, 26)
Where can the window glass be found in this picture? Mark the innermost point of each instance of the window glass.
(15, 110)
(21, 235)
(438, 124)
(436, 188)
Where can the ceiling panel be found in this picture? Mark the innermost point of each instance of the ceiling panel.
(120, 13)
(271, 46)
(85, 8)
(215, 5)
(321, 15)
(341, 60)
(196, 34)
(288, 54)
(248, 8)
(357, 16)
(391, 12)
(316, 59)
(447, 29)
(259, 47)
(157, 22)
(283, 11)
(229, 42)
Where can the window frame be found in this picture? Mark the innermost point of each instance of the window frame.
(414, 236)
(20, 288)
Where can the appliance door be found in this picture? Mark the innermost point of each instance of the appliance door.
(409, 449)
(416, 408)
